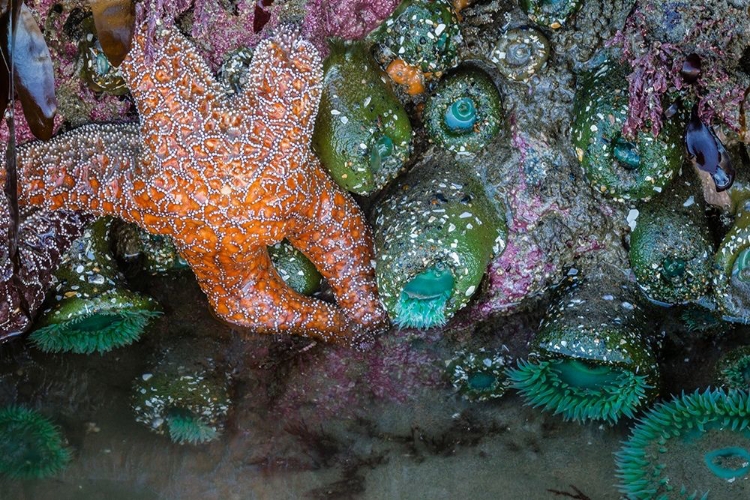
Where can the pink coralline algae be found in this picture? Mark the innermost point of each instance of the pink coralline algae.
(218, 31)
(347, 19)
(657, 39)
(396, 368)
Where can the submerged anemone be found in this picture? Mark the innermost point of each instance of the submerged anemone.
(591, 359)
(734, 369)
(434, 234)
(465, 112)
(694, 446)
(478, 375)
(521, 53)
(30, 445)
(617, 165)
(97, 71)
(92, 310)
(185, 394)
(362, 132)
(671, 245)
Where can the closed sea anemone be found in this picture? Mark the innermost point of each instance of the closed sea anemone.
(694, 446)
(478, 375)
(734, 369)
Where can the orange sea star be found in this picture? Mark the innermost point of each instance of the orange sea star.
(225, 176)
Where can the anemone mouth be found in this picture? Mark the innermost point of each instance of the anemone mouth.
(626, 153)
(423, 299)
(691, 445)
(186, 427)
(380, 151)
(461, 115)
(93, 332)
(478, 375)
(30, 445)
(741, 267)
(580, 390)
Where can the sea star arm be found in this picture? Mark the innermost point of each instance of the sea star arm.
(284, 82)
(253, 295)
(332, 233)
(88, 169)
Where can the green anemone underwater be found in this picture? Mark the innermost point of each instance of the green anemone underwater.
(695, 446)
(591, 359)
(478, 375)
(91, 308)
(185, 394)
(579, 390)
(734, 369)
(30, 445)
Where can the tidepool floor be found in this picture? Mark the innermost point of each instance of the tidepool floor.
(314, 421)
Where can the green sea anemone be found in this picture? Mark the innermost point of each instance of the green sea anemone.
(591, 359)
(155, 253)
(521, 53)
(694, 446)
(184, 395)
(433, 37)
(552, 13)
(671, 245)
(295, 268)
(731, 278)
(362, 132)
(620, 167)
(30, 445)
(434, 234)
(734, 369)
(478, 375)
(92, 310)
(465, 112)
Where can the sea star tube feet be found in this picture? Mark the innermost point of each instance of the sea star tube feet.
(224, 176)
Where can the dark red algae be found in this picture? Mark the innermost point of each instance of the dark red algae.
(707, 153)
(261, 15)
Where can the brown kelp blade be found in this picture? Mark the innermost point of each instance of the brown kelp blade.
(34, 76)
(114, 21)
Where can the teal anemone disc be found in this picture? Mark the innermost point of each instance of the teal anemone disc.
(694, 446)
(423, 298)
